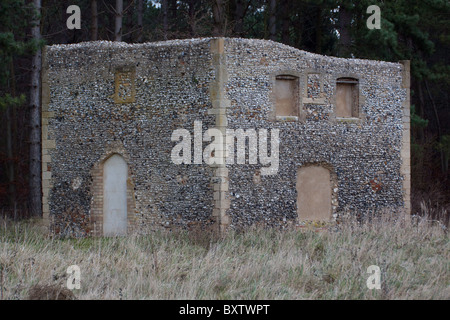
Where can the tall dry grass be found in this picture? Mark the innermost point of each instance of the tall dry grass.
(257, 264)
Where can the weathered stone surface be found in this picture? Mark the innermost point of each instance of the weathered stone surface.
(222, 82)
(363, 153)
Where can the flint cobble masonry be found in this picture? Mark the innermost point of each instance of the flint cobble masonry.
(104, 98)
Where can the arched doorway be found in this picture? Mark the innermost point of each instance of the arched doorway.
(115, 175)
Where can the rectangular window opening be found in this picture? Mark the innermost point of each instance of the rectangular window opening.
(347, 98)
(287, 96)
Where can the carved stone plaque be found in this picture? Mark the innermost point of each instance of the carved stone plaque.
(125, 90)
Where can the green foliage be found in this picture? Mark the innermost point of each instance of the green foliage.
(443, 146)
(15, 17)
(416, 120)
(405, 34)
(7, 100)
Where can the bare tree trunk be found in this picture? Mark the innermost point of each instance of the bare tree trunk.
(128, 14)
(319, 29)
(10, 156)
(345, 19)
(9, 144)
(173, 11)
(118, 21)
(35, 120)
(94, 20)
(273, 20)
(191, 14)
(438, 124)
(164, 8)
(239, 17)
(140, 19)
(420, 110)
(285, 35)
(219, 18)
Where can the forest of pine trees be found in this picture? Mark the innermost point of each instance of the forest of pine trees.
(416, 30)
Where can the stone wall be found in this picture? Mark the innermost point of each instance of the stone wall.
(109, 98)
(104, 98)
(363, 153)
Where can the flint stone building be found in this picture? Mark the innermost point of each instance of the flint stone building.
(110, 109)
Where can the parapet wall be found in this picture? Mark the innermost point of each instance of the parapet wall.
(105, 98)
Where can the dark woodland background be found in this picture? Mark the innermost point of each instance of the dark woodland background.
(416, 30)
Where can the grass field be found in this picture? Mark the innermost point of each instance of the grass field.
(258, 264)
